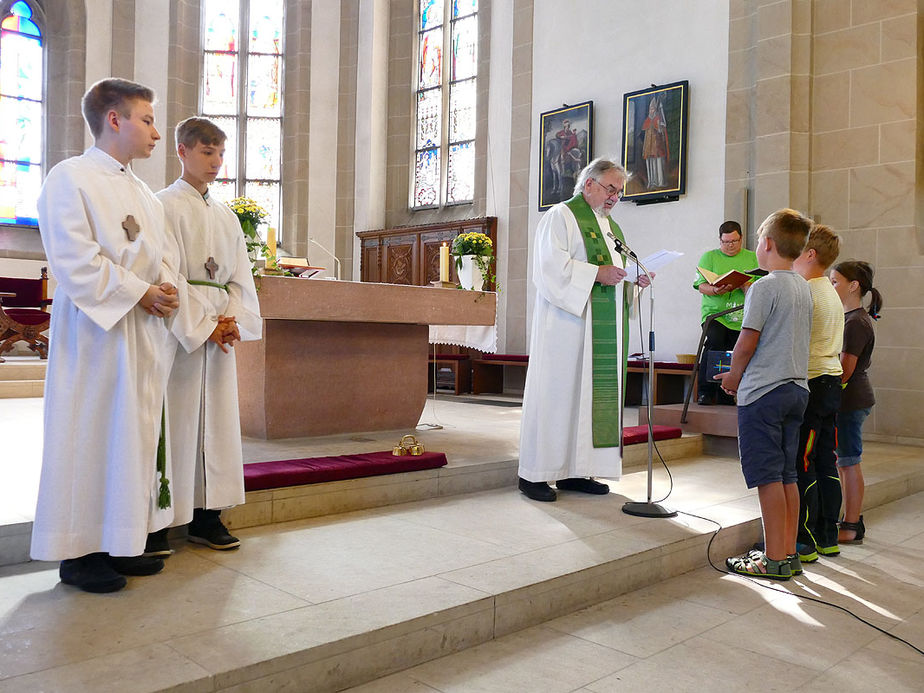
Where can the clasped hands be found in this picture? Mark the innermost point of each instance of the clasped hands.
(225, 332)
(160, 300)
(611, 275)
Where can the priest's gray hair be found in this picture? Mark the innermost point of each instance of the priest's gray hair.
(597, 168)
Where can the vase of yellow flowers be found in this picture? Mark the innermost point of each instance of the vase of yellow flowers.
(474, 252)
(251, 215)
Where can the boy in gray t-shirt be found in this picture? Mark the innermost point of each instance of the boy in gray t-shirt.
(768, 373)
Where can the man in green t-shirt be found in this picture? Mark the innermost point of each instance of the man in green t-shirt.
(724, 331)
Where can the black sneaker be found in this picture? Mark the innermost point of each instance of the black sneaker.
(208, 529)
(584, 485)
(157, 544)
(135, 565)
(91, 573)
(537, 490)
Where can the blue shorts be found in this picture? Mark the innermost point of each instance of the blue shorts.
(850, 436)
(768, 435)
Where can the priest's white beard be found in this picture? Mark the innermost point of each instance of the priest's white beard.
(602, 211)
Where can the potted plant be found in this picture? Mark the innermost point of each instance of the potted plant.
(251, 215)
(474, 253)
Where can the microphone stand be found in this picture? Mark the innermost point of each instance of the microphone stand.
(336, 259)
(648, 508)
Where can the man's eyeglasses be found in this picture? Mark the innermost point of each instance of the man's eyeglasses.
(610, 190)
(734, 241)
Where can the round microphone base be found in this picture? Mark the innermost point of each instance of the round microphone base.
(647, 510)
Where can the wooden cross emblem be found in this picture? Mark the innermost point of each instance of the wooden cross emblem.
(211, 267)
(131, 228)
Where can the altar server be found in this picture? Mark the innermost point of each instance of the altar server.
(571, 429)
(220, 306)
(103, 484)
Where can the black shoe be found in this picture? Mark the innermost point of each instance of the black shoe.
(584, 485)
(157, 544)
(208, 529)
(537, 490)
(705, 400)
(91, 573)
(136, 565)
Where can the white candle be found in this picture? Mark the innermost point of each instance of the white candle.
(271, 241)
(444, 263)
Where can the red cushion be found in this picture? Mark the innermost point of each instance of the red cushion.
(524, 358)
(28, 291)
(640, 363)
(639, 434)
(264, 475)
(28, 316)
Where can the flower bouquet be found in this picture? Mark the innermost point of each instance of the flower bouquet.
(473, 249)
(251, 215)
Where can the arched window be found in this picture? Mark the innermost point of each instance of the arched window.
(241, 91)
(444, 137)
(22, 84)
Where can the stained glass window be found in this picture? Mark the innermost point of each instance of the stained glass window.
(22, 84)
(242, 92)
(444, 170)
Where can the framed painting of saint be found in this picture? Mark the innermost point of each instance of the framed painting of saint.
(654, 142)
(565, 147)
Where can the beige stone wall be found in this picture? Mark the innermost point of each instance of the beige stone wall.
(183, 67)
(401, 56)
(825, 115)
(521, 133)
(346, 137)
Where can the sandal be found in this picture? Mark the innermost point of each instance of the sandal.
(858, 528)
(756, 564)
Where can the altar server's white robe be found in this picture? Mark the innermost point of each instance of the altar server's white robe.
(205, 429)
(108, 361)
(556, 439)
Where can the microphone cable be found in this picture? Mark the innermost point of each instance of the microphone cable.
(774, 588)
(719, 527)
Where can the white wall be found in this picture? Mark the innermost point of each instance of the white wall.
(621, 46)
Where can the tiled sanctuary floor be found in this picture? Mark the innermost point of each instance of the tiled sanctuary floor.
(299, 585)
(704, 631)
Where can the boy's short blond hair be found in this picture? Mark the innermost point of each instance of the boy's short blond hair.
(111, 94)
(196, 129)
(789, 231)
(826, 244)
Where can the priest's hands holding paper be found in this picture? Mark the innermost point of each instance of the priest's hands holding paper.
(225, 332)
(644, 280)
(160, 300)
(610, 275)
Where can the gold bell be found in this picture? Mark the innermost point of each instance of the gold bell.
(412, 445)
(398, 450)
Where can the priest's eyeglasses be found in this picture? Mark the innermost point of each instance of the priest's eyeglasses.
(610, 190)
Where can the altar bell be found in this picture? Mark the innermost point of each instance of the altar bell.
(104, 485)
(220, 307)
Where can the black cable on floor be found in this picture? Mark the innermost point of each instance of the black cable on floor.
(774, 588)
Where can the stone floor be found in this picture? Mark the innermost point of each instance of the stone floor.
(703, 631)
(487, 591)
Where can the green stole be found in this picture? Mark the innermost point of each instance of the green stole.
(607, 361)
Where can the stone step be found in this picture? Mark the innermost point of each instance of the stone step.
(432, 588)
(32, 369)
(12, 389)
(716, 420)
(317, 500)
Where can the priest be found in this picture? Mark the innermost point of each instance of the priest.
(572, 406)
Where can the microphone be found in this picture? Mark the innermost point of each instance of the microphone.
(336, 259)
(621, 247)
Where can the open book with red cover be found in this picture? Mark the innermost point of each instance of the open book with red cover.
(735, 278)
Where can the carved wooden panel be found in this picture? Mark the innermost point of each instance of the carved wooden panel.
(370, 260)
(399, 261)
(410, 255)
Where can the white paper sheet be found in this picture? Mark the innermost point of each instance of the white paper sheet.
(652, 263)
